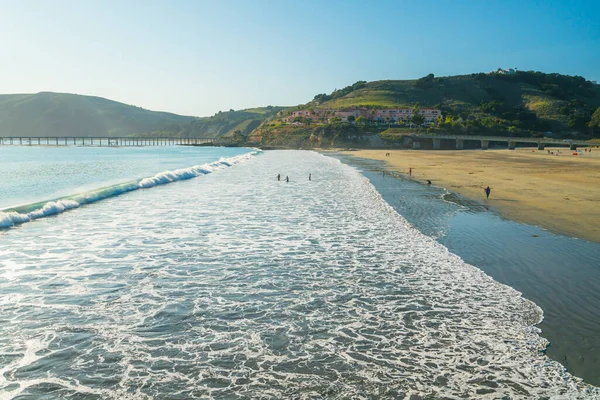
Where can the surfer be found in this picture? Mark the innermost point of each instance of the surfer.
(309, 176)
(287, 178)
(278, 177)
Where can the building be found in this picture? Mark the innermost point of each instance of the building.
(382, 116)
(404, 114)
(510, 71)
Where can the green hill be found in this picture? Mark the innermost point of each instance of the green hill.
(520, 104)
(60, 114)
(228, 124)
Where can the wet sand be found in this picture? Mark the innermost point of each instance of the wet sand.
(560, 193)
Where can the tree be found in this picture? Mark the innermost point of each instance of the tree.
(351, 118)
(359, 85)
(425, 81)
(239, 137)
(322, 97)
(417, 118)
(595, 120)
(439, 121)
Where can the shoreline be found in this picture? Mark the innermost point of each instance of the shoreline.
(525, 257)
(559, 193)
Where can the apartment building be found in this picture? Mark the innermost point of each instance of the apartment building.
(375, 115)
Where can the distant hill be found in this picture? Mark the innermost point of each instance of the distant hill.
(520, 104)
(61, 114)
(517, 104)
(223, 124)
(524, 101)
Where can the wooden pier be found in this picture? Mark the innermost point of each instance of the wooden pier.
(106, 141)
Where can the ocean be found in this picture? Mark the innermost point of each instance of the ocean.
(559, 273)
(191, 272)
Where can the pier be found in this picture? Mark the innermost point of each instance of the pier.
(107, 141)
(459, 142)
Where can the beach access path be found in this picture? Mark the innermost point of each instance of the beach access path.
(560, 193)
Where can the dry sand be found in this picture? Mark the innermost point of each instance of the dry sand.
(560, 193)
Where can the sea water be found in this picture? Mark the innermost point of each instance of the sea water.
(31, 174)
(236, 285)
(559, 273)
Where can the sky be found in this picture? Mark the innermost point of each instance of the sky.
(199, 57)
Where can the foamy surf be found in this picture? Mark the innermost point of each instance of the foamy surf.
(262, 289)
(29, 212)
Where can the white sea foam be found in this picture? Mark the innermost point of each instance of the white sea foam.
(264, 289)
(53, 207)
(12, 218)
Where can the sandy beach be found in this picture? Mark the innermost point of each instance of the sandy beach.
(560, 193)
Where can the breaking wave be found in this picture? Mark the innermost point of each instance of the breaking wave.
(26, 213)
(265, 289)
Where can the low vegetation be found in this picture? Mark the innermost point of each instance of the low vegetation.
(230, 124)
(338, 134)
(520, 104)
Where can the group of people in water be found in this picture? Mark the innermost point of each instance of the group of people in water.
(487, 190)
(287, 178)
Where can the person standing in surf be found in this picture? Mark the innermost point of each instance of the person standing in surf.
(278, 177)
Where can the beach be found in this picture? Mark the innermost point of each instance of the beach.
(236, 285)
(556, 192)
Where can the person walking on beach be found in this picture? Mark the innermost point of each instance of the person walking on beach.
(278, 177)
(410, 171)
(487, 191)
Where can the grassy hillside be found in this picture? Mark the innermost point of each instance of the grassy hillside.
(60, 114)
(524, 103)
(230, 123)
(324, 136)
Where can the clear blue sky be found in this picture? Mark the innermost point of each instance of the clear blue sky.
(198, 57)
